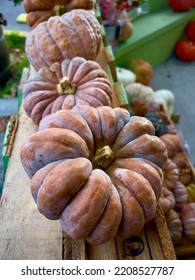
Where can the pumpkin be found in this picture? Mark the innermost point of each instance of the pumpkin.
(76, 33)
(39, 11)
(142, 69)
(159, 124)
(174, 224)
(185, 170)
(166, 98)
(137, 91)
(125, 76)
(63, 85)
(185, 50)
(167, 200)
(97, 170)
(180, 194)
(190, 30)
(187, 216)
(171, 174)
(172, 143)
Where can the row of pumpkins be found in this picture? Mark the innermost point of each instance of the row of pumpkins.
(95, 168)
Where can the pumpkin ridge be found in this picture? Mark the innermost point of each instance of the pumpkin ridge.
(30, 48)
(57, 104)
(75, 64)
(97, 94)
(90, 43)
(42, 31)
(131, 188)
(36, 113)
(80, 39)
(85, 68)
(93, 100)
(66, 28)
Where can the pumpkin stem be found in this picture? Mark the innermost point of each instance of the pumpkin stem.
(66, 87)
(103, 157)
(59, 10)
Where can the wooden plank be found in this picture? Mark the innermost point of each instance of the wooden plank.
(133, 248)
(106, 251)
(25, 233)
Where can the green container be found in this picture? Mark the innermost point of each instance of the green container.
(155, 35)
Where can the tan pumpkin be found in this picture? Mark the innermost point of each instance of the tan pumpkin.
(39, 11)
(63, 85)
(180, 194)
(76, 33)
(98, 170)
(185, 170)
(167, 200)
(173, 143)
(171, 174)
(187, 216)
(174, 224)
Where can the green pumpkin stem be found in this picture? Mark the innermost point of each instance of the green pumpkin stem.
(103, 157)
(66, 87)
(59, 10)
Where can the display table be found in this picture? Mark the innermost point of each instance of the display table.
(26, 234)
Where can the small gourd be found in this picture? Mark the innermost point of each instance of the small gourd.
(180, 194)
(174, 224)
(167, 200)
(166, 98)
(187, 216)
(159, 124)
(125, 76)
(173, 143)
(171, 174)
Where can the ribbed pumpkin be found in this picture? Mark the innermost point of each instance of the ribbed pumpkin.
(180, 194)
(98, 170)
(63, 85)
(174, 224)
(167, 200)
(187, 216)
(171, 174)
(173, 143)
(76, 33)
(39, 11)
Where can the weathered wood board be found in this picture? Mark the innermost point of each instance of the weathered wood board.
(24, 232)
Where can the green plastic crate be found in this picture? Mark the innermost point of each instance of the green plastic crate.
(154, 37)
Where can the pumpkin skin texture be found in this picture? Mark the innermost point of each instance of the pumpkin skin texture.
(171, 174)
(116, 160)
(52, 40)
(187, 216)
(63, 85)
(39, 11)
(174, 224)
